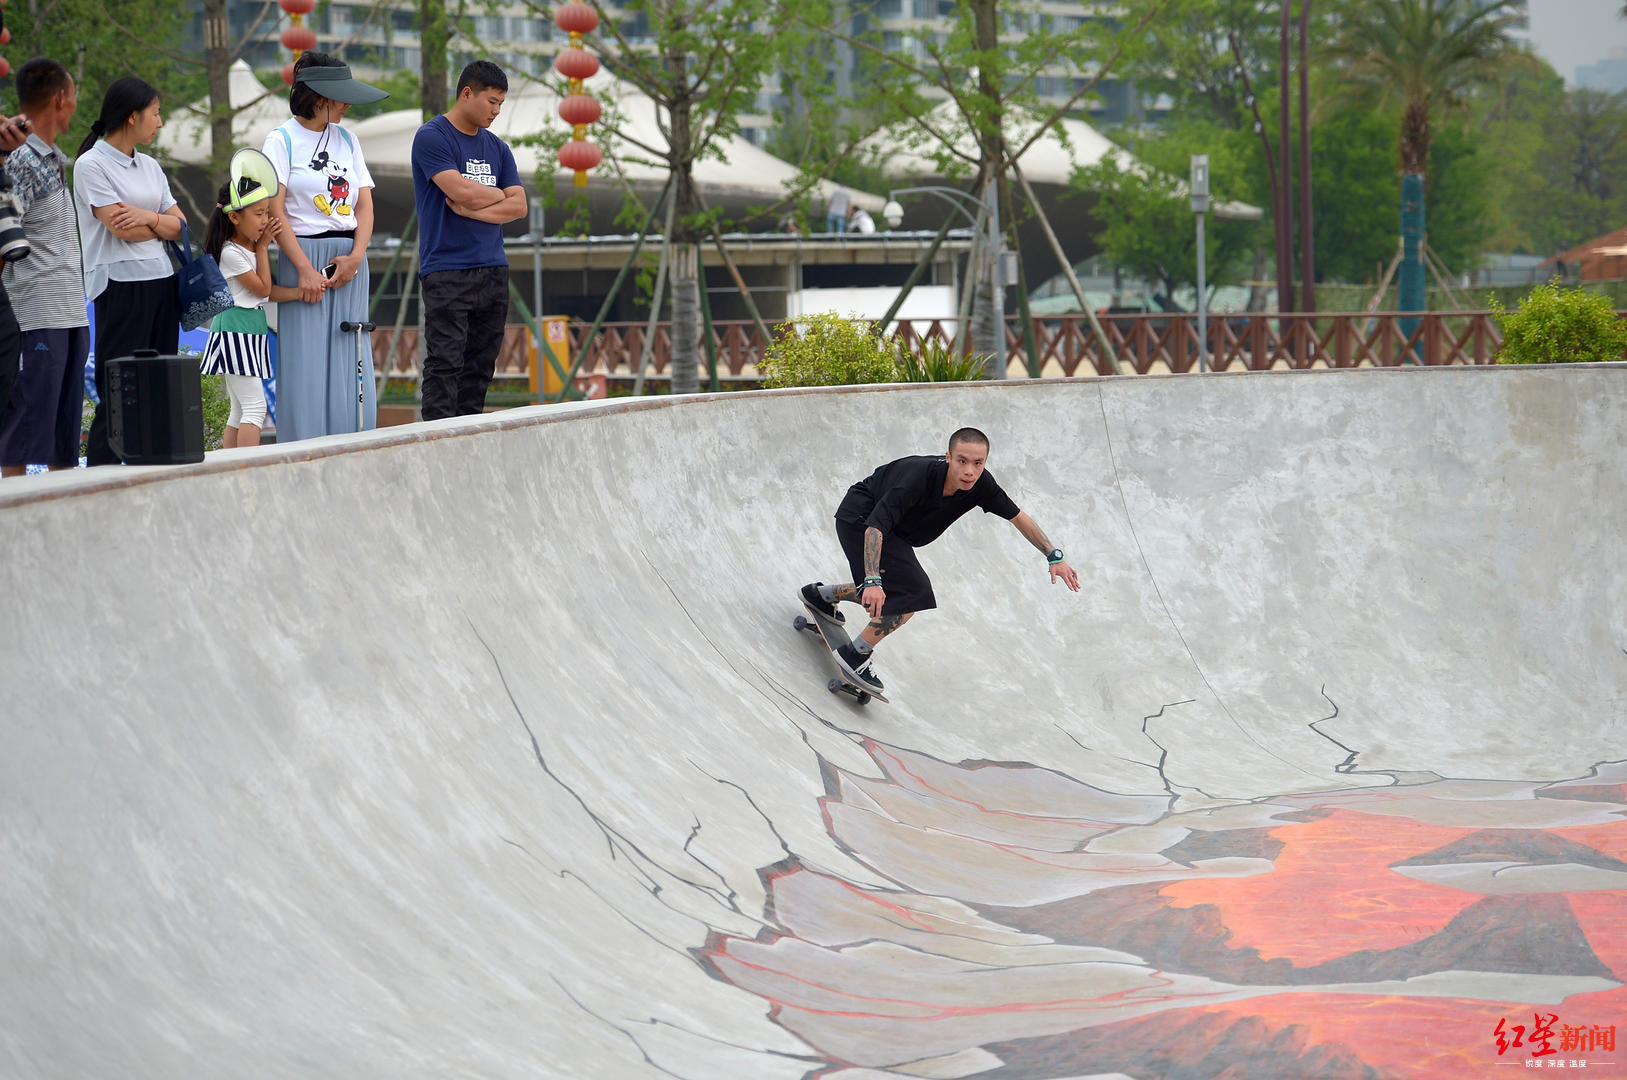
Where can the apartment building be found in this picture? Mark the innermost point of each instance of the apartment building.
(381, 37)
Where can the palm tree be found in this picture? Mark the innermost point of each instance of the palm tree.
(1428, 55)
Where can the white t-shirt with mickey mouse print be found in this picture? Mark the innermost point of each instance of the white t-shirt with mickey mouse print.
(319, 199)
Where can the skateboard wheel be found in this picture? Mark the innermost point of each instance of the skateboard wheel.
(864, 699)
(834, 686)
(800, 623)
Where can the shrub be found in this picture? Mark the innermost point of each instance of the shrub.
(217, 409)
(1556, 325)
(827, 350)
(937, 361)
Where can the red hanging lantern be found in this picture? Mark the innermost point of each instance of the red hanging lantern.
(580, 156)
(5, 67)
(580, 109)
(299, 38)
(576, 64)
(5, 35)
(577, 18)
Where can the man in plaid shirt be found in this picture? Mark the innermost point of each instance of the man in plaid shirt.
(47, 290)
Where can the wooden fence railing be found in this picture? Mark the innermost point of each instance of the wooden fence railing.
(1066, 345)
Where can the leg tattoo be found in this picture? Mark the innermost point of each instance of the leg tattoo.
(849, 591)
(880, 628)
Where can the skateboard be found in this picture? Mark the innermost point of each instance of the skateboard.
(834, 635)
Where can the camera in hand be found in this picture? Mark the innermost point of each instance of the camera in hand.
(13, 241)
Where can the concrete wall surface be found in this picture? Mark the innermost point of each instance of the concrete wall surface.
(485, 748)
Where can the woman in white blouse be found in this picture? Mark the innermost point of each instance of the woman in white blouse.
(126, 212)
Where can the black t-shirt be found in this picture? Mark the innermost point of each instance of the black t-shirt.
(905, 498)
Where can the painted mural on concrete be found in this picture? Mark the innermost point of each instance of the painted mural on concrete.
(1039, 928)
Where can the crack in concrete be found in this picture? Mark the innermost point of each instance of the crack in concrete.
(620, 848)
(1135, 534)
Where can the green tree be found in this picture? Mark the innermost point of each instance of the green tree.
(1584, 158)
(1460, 222)
(1514, 128)
(1353, 192)
(1428, 55)
(974, 89)
(1186, 56)
(703, 63)
(99, 41)
(1147, 225)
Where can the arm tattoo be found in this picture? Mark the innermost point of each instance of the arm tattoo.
(872, 552)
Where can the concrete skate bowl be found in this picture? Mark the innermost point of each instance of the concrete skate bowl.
(486, 748)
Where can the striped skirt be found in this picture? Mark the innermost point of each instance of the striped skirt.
(238, 344)
(237, 354)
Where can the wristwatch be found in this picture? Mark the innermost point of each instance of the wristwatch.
(1053, 556)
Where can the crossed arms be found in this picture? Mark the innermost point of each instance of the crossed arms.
(134, 225)
(475, 200)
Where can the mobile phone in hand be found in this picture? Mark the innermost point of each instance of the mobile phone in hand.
(329, 270)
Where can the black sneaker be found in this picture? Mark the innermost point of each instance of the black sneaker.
(856, 666)
(811, 597)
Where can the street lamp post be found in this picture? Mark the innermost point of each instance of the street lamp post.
(989, 313)
(1199, 190)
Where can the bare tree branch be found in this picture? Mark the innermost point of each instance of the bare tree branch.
(242, 42)
(1101, 72)
(190, 61)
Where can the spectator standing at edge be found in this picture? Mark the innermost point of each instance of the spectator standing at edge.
(467, 188)
(326, 200)
(13, 133)
(836, 211)
(126, 212)
(48, 291)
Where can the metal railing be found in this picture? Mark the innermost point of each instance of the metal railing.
(1065, 343)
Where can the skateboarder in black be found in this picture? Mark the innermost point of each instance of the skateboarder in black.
(901, 506)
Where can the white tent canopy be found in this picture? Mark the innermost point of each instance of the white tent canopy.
(746, 172)
(185, 134)
(1051, 160)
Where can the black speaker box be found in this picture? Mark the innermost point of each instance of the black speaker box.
(155, 409)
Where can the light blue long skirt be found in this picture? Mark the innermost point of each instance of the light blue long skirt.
(316, 364)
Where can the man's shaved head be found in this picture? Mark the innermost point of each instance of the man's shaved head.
(968, 435)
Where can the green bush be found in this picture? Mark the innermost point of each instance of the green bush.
(217, 409)
(827, 350)
(937, 361)
(1556, 325)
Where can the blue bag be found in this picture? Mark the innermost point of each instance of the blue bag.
(202, 287)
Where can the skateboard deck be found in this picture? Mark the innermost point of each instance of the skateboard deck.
(834, 635)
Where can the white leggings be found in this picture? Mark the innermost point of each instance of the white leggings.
(248, 396)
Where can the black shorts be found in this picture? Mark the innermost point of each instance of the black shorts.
(902, 579)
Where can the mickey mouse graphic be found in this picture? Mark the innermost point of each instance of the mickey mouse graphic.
(337, 200)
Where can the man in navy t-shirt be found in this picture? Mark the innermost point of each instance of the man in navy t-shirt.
(467, 187)
(903, 505)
